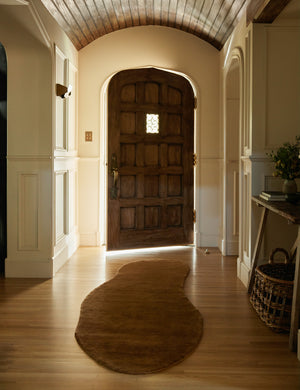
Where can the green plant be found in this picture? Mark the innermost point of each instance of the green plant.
(287, 160)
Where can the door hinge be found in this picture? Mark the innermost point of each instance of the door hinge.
(194, 216)
(194, 159)
(195, 102)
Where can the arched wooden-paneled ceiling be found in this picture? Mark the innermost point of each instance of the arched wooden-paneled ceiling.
(211, 20)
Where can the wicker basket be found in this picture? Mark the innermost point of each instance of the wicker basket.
(272, 292)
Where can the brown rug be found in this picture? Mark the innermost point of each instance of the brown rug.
(140, 321)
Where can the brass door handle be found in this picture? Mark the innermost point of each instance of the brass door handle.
(114, 171)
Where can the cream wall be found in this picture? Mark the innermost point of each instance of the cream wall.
(168, 49)
(28, 35)
(269, 63)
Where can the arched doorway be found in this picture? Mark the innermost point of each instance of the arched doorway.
(150, 194)
(232, 125)
(3, 152)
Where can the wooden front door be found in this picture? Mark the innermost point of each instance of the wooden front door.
(150, 159)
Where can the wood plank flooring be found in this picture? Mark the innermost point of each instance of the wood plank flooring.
(38, 319)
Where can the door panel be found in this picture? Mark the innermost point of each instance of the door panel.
(150, 133)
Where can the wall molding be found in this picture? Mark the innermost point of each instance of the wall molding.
(39, 23)
(214, 158)
(65, 156)
(29, 157)
(98, 159)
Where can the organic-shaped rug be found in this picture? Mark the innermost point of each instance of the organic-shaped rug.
(140, 321)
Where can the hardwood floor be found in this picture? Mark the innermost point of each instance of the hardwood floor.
(38, 319)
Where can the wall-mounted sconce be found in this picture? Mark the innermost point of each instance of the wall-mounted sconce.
(63, 91)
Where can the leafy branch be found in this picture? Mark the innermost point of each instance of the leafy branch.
(287, 160)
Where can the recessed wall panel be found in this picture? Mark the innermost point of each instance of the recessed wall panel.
(60, 193)
(28, 211)
(61, 73)
(72, 114)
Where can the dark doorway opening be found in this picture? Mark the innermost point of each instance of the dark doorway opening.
(3, 166)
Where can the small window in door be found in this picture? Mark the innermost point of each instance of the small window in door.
(152, 123)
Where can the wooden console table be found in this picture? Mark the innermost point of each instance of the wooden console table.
(291, 212)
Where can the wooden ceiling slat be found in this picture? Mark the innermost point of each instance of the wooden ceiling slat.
(75, 12)
(179, 13)
(93, 10)
(208, 11)
(157, 4)
(189, 8)
(87, 19)
(134, 12)
(71, 20)
(102, 11)
(142, 12)
(205, 12)
(216, 11)
(111, 14)
(172, 12)
(201, 19)
(52, 8)
(165, 12)
(195, 17)
(149, 12)
(118, 10)
(230, 22)
(221, 17)
(211, 20)
(193, 8)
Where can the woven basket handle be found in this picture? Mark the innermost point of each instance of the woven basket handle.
(276, 250)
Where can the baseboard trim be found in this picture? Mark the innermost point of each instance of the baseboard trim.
(243, 272)
(209, 240)
(230, 248)
(42, 268)
(29, 269)
(72, 244)
(90, 239)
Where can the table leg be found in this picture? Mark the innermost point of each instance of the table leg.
(257, 247)
(296, 300)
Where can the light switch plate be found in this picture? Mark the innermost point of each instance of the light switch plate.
(88, 136)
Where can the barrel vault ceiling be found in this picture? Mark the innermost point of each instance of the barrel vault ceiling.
(211, 20)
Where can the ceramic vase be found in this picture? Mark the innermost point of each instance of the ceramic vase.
(289, 187)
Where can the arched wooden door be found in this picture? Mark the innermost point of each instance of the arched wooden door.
(150, 159)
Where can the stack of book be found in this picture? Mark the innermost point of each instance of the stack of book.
(275, 196)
